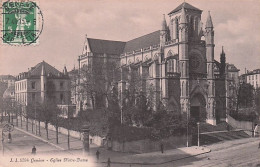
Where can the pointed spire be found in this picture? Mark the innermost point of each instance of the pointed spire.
(183, 19)
(223, 50)
(43, 73)
(164, 24)
(209, 23)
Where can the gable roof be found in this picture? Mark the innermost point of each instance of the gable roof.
(119, 47)
(37, 70)
(186, 6)
(106, 46)
(143, 41)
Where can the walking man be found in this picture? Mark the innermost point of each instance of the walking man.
(108, 162)
(162, 147)
(97, 155)
(34, 150)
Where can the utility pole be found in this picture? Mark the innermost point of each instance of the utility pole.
(198, 133)
(68, 128)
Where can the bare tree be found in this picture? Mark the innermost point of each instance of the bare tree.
(96, 82)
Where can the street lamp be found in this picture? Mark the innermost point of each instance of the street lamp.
(188, 111)
(198, 133)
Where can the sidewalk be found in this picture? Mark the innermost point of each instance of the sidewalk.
(117, 158)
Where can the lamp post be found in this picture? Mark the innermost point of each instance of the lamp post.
(35, 117)
(188, 111)
(68, 128)
(3, 142)
(198, 133)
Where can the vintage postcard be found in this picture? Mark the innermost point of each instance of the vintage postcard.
(132, 83)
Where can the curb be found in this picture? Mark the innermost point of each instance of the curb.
(58, 147)
(139, 163)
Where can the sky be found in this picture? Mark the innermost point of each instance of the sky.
(66, 23)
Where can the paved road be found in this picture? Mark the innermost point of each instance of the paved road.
(242, 152)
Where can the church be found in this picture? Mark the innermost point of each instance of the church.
(177, 62)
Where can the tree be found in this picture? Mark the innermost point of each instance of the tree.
(245, 95)
(96, 81)
(257, 101)
(46, 114)
(56, 111)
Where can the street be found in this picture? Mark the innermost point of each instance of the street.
(242, 152)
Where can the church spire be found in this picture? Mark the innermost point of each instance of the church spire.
(209, 23)
(223, 56)
(222, 62)
(223, 50)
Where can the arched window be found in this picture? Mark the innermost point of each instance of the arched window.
(191, 26)
(176, 28)
(187, 88)
(151, 70)
(182, 88)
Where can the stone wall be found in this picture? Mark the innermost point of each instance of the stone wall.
(147, 145)
(93, 139)
(245, 125)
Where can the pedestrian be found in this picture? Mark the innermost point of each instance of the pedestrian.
(97, 154)
(228, 128)
(9, 137)
(256, 130)
(162, 147)
(108, 162)
(34, 150)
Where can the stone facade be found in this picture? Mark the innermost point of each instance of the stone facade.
(31, 87)
(177, 62)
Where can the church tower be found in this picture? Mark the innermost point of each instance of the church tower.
(209, 37)
(184, 62)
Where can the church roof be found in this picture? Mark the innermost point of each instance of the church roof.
(119, 47)
(106, 46)
(186, 6)
(37, 70)
(143, 41)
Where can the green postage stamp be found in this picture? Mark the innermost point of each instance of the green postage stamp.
(22, 23)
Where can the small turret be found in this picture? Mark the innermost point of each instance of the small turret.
(163, 33)
(43, 73)
(43, 82)
(222, 63)
(164, 24)
(209, 23)
(183, 19)
(65, 72)
(222, 56)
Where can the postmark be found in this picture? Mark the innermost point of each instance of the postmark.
(22, 23)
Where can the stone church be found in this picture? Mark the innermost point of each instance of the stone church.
(177, 61)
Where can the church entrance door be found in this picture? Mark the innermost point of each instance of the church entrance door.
(198, 108)
(195, 112)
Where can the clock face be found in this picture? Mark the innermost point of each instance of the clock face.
(195, 62)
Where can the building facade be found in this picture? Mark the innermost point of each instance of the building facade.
(253, 78)
(42, 82)
(176, 62)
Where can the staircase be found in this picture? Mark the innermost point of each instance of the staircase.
(210, 134)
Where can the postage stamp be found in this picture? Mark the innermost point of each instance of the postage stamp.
(22, 23)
